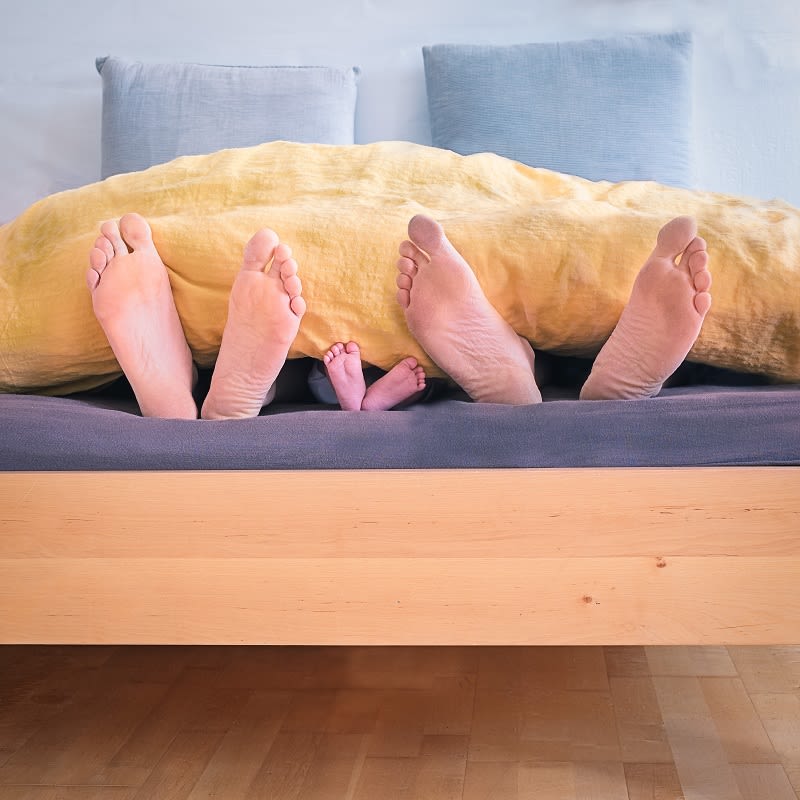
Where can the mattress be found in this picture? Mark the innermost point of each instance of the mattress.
(690, 425)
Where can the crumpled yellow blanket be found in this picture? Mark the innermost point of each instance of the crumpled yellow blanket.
(555, 254)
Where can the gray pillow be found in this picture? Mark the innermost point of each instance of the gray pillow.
(605, 109)
(153, 113)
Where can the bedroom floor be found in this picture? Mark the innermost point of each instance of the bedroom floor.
(118, 723)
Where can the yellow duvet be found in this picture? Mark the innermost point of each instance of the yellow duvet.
(555, 254)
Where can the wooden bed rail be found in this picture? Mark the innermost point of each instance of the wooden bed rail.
(436, 557)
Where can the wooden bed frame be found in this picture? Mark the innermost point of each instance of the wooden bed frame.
(683, 556)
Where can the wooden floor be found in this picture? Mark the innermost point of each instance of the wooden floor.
(419, 722)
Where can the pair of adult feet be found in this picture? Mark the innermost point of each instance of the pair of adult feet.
(445, 308)
(450, 316)
(134, 305)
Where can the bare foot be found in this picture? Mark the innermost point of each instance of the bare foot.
(404, 380)
(264, 312)
(449, 315)
(133, 303)
(343, 364)
(661, 322)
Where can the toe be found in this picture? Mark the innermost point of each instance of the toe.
(286, 266)
(352, 347)
(403, 298)
(697, 244)
(287, 269)
(101, 243)
(675, 237)
(110, 229)
(403, 282)
(258, 252)
(411, 252)
(702, 303)
(407, 267)
(283, 252)
(293, 286)
(697, 261)
(426, 233)
(332, 352)
(92, 279)
(702, 280)
(135, 231)
(98, 260)
(701, 276)
(298, 306)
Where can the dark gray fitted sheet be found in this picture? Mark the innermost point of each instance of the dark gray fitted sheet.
(689, 426)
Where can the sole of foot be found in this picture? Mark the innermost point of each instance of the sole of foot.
(669, 301)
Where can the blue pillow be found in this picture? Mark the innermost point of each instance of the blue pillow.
(153, 113)
(605, 109)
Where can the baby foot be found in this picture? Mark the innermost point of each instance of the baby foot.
(400, 383)
(264, 312)
(343, 364)
(661, 322)
(133, 303)
(449, 315)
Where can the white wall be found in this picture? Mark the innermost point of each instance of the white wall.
(746, 114)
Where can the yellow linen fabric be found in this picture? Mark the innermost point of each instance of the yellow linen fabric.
(555, 254)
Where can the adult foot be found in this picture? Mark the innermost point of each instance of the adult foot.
(450, 316)
(404, 380)
(264, 312)
(133, 303)
(343, 365)
(661, 321)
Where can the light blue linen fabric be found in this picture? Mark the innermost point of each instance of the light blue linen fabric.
(153, 113)
(605, 109)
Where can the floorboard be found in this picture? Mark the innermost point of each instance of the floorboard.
(367, 723)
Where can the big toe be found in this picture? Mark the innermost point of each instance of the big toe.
(258, 252)
(136, 231)
(426, 233)
(675, 237)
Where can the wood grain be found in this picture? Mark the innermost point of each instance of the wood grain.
(365, 723)
(457, 557)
